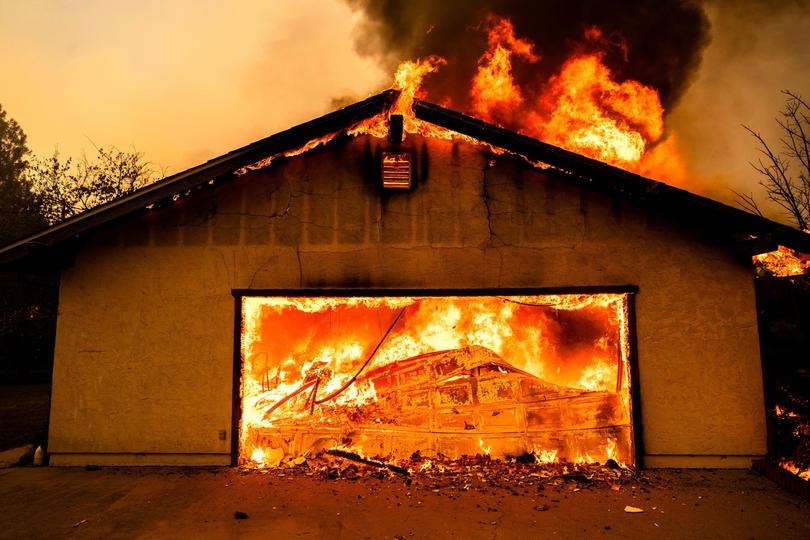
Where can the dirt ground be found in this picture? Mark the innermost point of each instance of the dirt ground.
(201, 503)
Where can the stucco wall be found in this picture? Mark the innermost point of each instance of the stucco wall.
(145, 340)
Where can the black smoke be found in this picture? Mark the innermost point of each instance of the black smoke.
(656, 42)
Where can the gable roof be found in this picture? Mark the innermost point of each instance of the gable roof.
(589, 172)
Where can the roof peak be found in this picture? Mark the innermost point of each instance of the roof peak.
(589, 172)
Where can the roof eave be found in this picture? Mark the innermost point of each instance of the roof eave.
(596, 174)
(612, 179)
(279, 143)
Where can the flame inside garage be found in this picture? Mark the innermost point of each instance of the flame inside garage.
(387, 376)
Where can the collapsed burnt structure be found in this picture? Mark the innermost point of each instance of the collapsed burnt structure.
(155, 358)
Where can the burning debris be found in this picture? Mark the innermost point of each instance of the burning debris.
(346, 454)
(793, 422)
(453, 477)
(782, 262)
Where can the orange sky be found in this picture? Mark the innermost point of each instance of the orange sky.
(184, 81)
(181, 81)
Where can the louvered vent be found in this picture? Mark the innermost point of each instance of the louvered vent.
(396, 170)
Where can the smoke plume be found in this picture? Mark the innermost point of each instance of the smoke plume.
(758, 49)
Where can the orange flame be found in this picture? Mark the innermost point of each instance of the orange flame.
(297, 348)
(542, 455)
(493, 86)
(783, 262)
(485, 449)
(584, 110)
(408, 80)
(791, 466)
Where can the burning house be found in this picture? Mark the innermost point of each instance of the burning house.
(397, 278)
(394, 284)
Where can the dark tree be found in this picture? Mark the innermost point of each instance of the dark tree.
(65, 188)
(34, 193)
(27, 299)
(782, 301)
(18, 209)
(785, 169)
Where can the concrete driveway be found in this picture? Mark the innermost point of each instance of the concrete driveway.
(199, 503)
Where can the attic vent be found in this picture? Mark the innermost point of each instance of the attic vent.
(396, 170)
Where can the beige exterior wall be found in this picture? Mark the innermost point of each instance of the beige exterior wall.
(145, 335)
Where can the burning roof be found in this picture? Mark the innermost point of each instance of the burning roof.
(370, 117)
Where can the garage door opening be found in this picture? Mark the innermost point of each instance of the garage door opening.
(445, 375)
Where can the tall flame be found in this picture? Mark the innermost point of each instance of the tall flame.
(298, 348)
(493, 87)
(408, 80)
(582, 108)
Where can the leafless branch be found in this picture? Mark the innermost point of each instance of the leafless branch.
(747, 202)
(789, 190)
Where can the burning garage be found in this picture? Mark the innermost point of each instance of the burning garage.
(396, 278)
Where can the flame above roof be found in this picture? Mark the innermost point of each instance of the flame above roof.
(571, 166)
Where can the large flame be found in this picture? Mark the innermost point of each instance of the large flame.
(582, 108)
(493, 87)
(298, 350)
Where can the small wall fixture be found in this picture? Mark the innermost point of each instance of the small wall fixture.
(396, 170)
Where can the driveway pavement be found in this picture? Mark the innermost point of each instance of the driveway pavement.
(199, 503)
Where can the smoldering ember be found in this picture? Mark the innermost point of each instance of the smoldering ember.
(400, 303)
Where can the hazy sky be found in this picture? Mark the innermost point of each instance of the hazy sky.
(758, 49)
(181, 81)
(184, 81)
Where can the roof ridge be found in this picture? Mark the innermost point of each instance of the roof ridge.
(596, 174)
(593, 171)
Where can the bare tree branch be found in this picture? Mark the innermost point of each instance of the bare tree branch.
(747, 202)
(789, 191)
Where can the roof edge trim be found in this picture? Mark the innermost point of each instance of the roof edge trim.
(609, 178)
